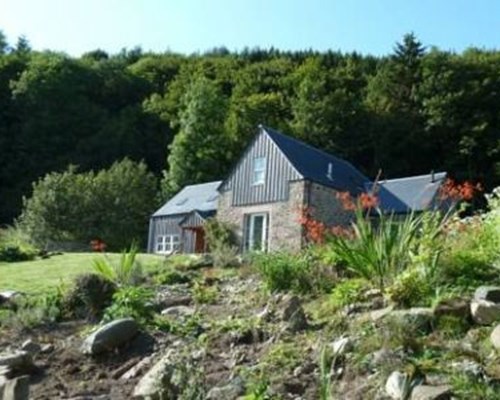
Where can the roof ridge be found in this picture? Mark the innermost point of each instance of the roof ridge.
(405, 178)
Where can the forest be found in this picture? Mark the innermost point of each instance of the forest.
(188, 117)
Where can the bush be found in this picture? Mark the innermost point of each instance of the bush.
(172, 278)
(88, 298)
(348, 292)
(410, 288)
(131, 302)
(221, 243)
(15, 245)
(127, 271)
(112, 205)
(203, 294)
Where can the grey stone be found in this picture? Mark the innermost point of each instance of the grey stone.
(495, 338)
(157, 384)
(489, 293)
(426, 392)
(418, 318)
(485, 312)
(178, 311)
(136, 369)
(293, 314)
(468, 367)
(395, 387)
(173, 301)
(341, 346)
(232, 391)
(31, 347)
(47, 348)
(17, 389)
(110, 336)
(378, 315)
(19, 361)
(456, 307)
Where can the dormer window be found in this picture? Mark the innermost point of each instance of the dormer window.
(259, 171)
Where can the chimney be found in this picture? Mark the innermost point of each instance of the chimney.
(433, 179)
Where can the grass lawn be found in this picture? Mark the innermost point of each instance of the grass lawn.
(37, 276)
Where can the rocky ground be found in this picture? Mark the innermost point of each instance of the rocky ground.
(235, 339)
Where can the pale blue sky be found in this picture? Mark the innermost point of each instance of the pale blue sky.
(366, 26)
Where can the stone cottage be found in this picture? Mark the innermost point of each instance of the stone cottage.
(262, 197)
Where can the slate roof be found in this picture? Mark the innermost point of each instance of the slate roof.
(415, 193)
(313, 163)
(201, 197)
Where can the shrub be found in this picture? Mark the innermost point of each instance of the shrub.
(90, 295)
(410, 288)
(131, 302)
(203, 294)
(221, 243)
(128, 271)
(172, 278)
(348, 292)
(15, 245)
(283, 271)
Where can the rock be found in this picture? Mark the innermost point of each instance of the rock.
(8, 297)
(418, 318)
(178, 311)
(136, 369)
(168, 302)
(31, 347)
(455, 307)
(426, 392)
(293, 314)
(395, 385)
(110, 336)
(377, 315)
(386, 356)
(232, 391)
(47, 348)
(495, 338)
(341, 346)
(19, 361)
(17, 389)
(485, 312)
(157, 383)
(468, 367)
(488, 293)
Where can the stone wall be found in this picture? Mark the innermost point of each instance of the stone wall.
(285, 232)
(325, 206)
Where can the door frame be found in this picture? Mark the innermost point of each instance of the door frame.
(251, 227)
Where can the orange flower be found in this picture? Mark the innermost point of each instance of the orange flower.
(345, 198)
(368, 201)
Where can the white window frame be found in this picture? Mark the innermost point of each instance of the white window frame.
(249, 242)
(167, 244)
(259, 170)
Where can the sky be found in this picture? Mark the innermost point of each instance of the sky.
(188, 26)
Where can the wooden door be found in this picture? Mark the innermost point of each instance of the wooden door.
(199, 242)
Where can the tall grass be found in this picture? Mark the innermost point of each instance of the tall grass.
(126, 272)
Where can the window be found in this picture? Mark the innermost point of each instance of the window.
(259, 171)
(255, 232)
(166, 244)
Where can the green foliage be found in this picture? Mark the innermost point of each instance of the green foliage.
(466, 386)
(221, 243)
(132, 302)
(203, 294)
(410, 288)
(127, 271)
(284, 271)
(326, 364)
(172, 278)
(113, 205)
(15, 245)
(378, 251)
(347, 292)
(89, 296)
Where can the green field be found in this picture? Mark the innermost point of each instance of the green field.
(39, 275)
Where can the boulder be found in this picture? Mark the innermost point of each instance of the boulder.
(341, 346)
(495, 338)
(110, 336)
(232, 391)
(178, 311)
(485, 312)
(31, 347)
(17, 389)
(419, 318)
(395, 385)
(426, 392)
(488, 293)
(19, 361)
(157, 383)
(293, 314)
(378, 315)
(455, 307)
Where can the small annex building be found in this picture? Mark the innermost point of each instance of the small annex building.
(261, 198)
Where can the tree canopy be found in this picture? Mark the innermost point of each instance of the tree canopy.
(190, 116)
